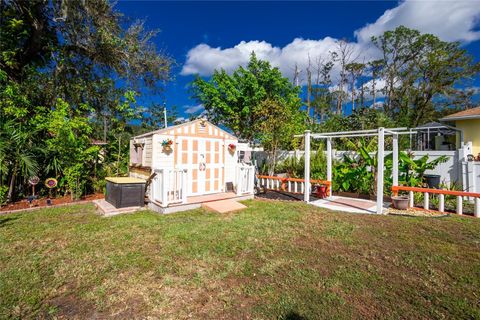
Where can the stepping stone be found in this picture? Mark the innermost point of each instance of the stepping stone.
(224, 206)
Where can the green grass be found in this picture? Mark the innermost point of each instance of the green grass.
(275, 260)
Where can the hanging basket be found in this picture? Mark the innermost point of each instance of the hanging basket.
(167, 145)
(232, 147)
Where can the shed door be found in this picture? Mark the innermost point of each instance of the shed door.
(206, 166)
(204, 160)
(201, 166)
(197, 167)
(214, 170)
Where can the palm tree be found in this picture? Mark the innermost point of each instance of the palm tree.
(17, 157)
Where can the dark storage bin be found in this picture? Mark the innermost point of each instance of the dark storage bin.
(432, 180)
(125, 192)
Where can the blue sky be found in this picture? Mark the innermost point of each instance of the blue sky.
(201, 36)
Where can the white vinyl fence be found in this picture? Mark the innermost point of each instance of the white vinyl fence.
(450, 171)
(245, 176)
(169, 186)
(471, 176)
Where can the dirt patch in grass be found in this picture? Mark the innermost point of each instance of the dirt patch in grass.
(70, 307)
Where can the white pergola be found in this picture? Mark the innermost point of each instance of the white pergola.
(380, 133)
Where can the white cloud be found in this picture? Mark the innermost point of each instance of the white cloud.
(194, 109)
(450, 20)
(179, 120)
(203, 59)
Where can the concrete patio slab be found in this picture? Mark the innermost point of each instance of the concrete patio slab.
(108, 210)
(349, 205)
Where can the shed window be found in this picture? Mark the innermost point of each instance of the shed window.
(137, 155)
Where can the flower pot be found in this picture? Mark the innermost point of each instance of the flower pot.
(400, 202)
(432, 180)
(321, 191)
(167, 149)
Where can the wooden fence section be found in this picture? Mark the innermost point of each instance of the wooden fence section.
(292, 185)
(441, 198)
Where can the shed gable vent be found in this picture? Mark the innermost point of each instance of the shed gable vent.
(202, 127)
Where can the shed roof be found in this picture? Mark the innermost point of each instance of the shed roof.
(473, 113)
(165, 130)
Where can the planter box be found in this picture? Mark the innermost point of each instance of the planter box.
(125, 192)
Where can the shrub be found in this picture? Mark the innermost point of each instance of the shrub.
(3, 194)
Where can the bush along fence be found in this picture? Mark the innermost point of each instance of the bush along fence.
(441, 198)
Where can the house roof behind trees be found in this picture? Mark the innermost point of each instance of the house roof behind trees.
(473, 113)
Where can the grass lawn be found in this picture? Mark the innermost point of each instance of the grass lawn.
(274, 260)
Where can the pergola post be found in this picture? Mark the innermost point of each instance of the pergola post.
(329, 164)
(395, 160)
(306, 189)
(380, 169)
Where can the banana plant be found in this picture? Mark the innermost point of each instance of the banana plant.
(411, 171)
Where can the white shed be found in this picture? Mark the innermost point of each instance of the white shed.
(190, 161)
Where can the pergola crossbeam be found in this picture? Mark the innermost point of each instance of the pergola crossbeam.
(359, 131)
(386, 133)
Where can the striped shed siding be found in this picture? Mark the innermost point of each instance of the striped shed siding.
(200, 148)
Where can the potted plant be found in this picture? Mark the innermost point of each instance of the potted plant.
(320, 190)
(400, 202)
(167, 145)
(232, 147)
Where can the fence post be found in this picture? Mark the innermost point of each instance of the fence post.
(329, 165)
(395, 160)
(426, 200)
(459, 205)
(306, 191)
(441, 202)
(476, 211)
(411, 199)
(165, 177)
(381, 146)
(239, 180)
(251, 179)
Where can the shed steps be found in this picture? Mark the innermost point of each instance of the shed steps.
(223, 206)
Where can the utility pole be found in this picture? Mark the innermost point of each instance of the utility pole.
(165, 115)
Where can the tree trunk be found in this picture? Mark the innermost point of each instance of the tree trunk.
(119, 151)
(353, 97)
(104, 128)
(273, 160)
(339, 101)
(11, 186)
(374, 94)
